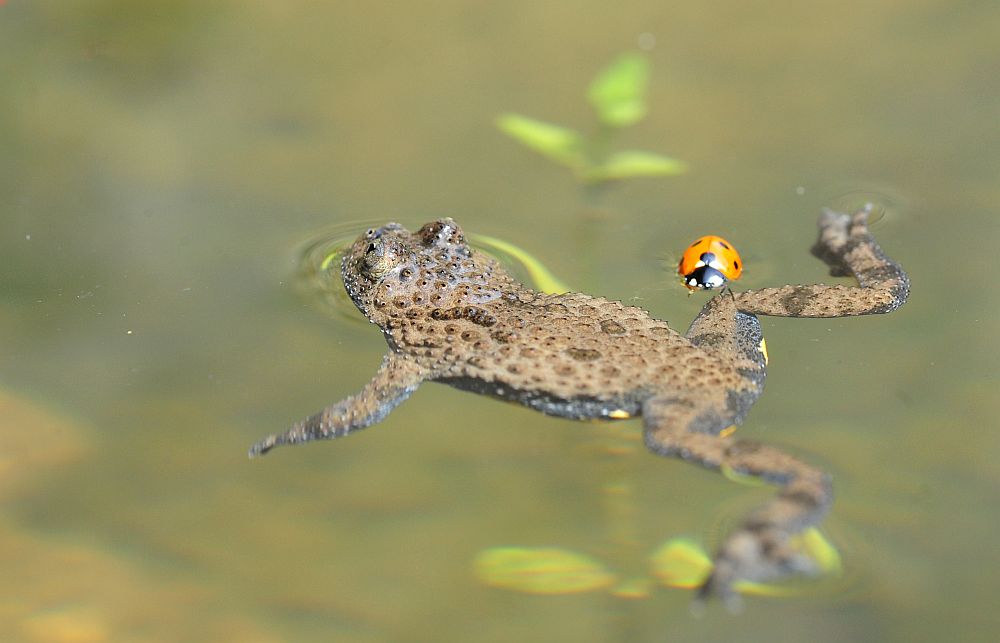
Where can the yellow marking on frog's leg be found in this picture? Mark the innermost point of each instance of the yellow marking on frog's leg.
(619, 414)
(763, 350)
(741, 478)
(728, 431)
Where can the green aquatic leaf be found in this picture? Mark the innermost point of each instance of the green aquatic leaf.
(540, 276)
(821, 550)
(541, 570)
(680, 562)
(632, 163)
(618, 93)
(560, 144)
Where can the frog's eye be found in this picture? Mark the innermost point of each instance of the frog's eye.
(380, 257)
(374, 248)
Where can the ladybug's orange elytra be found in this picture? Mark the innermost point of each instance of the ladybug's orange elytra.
(710, 262)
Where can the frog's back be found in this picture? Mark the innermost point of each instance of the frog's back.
(571, 345)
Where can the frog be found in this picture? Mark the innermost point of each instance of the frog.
(454, 315)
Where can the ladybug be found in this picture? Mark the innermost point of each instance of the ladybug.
(709, 263)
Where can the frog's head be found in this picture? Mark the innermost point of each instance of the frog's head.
(390, 272)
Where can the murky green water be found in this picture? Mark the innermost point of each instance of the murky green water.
(163, 165)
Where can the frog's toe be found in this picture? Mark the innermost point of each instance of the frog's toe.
(263, 446)
(859, 220)
(833, 221)
(832, 242)
(719, 584)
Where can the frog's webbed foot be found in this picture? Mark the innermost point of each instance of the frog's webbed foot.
(396, 378)
(759, 549)
(848, 248)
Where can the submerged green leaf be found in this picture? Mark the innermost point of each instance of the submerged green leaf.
(560, 144)
(541, 570)
(632, 163)
(821, 550)
(541, 278)
(680, 562)
(618, 93)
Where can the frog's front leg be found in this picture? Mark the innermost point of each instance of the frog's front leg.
(848, 248)
(397, 377)
(759, 549)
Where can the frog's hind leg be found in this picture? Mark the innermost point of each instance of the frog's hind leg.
(396, 378)
(759, 549)
(848, 248)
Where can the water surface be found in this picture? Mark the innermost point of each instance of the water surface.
(162, 167)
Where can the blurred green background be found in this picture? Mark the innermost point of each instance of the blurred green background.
(162, 165)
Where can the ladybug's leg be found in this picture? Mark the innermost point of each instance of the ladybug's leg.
(848, 248)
